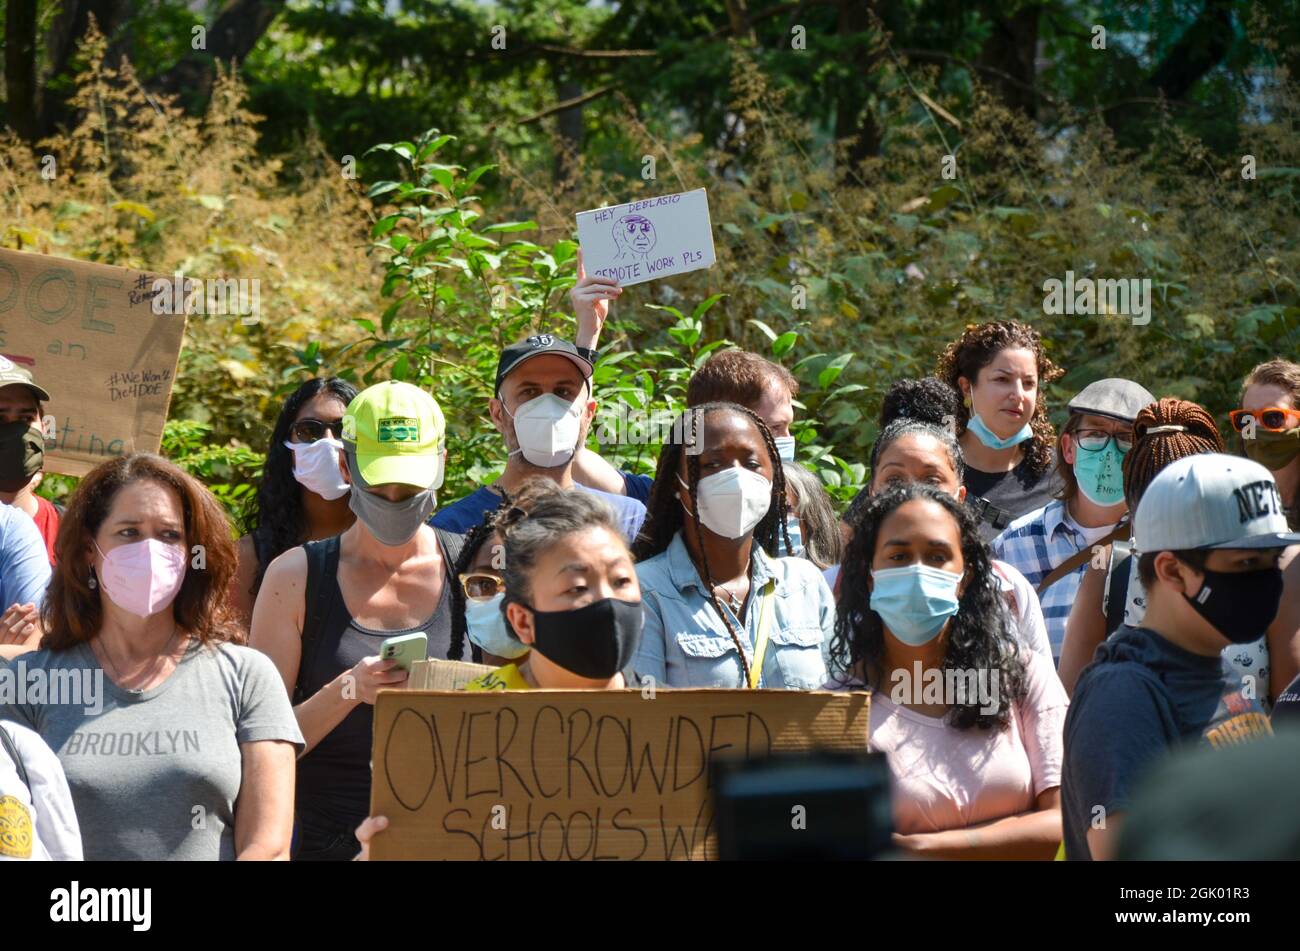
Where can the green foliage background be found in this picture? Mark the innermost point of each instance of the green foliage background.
(447, 245)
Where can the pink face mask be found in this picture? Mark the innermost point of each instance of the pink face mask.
(143, 577)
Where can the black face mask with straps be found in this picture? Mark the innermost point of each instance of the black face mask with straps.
(1239, 605)
(595, 641)
(22, 454)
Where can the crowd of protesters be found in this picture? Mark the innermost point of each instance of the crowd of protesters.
(1129, 586)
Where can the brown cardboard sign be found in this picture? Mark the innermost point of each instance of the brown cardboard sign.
(434, 674)
(545, 775)
(89, 336)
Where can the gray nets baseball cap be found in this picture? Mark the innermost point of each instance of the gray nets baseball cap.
(1211, 500)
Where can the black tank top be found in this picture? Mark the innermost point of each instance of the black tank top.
(334, 778)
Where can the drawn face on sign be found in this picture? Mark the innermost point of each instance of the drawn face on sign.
(634, 234)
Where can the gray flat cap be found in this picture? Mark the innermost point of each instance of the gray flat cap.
(1118, 399)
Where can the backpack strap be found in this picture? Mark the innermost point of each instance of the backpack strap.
(1120, 532)
(11, 748)
(322, 568)
(453, 543)
(1115, 598)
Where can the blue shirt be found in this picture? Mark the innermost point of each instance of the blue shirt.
(686, 644)
(637, 486)
(24, 564)
(1037, 542)
(466, 513)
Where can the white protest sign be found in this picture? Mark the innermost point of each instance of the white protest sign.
(649, 238)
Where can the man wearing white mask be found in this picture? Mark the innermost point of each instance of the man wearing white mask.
(728, 376)
(543, 409)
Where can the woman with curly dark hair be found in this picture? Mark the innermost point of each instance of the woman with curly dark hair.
(302, 496)
(1000, 370)
(722, 610)
(971, 724)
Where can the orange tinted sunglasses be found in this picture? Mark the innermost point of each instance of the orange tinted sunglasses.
(1272, 418)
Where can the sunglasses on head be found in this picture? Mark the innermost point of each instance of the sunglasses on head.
(1272, 418)
(482, 585)
(310, 430)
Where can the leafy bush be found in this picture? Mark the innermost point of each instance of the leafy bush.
(852, 275)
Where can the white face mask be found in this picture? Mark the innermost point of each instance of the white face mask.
(733, 501)
(547, 429)
(316, 467)
(784, 447)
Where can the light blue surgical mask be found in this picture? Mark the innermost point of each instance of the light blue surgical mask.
(991, 439)
(1100, 474)
(486, 626)
(795, 531)
(915, 601)
(784, 447)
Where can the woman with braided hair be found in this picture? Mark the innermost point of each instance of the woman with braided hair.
(1000, 370)
(1111, 592)
(722, 610)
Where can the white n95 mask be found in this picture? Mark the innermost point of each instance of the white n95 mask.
(733, 501)
(547, 428)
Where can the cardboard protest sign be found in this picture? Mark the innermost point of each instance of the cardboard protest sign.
(578, 774)
(444, 674)
(89, 336)
(649, 238)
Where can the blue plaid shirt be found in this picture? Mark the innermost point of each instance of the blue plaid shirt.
(1035, 543)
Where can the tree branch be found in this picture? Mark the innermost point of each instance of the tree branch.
(568, 104)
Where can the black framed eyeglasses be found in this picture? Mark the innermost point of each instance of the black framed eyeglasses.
(310, 430)
(1095, 440)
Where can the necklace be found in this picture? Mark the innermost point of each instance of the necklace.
(117, 674)
(734, 602)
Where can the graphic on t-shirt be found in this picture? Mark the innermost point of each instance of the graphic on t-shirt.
(144, 743)
(1238, 719)
(15, 829)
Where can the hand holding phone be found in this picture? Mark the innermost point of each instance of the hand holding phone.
(405, 648)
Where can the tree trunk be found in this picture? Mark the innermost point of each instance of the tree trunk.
(569, 126)
(1011, 50)
(855, 123)
(21, 92)
(232, 37)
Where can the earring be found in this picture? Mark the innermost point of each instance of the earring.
(91, 582)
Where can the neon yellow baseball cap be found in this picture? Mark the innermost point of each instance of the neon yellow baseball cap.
(396, 430)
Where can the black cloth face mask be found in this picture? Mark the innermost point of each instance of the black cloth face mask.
(595, 641)
(1240, 605)
(22, 454)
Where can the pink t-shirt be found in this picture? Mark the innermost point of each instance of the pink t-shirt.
(945, 778)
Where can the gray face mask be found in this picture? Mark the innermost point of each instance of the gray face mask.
(392, 523)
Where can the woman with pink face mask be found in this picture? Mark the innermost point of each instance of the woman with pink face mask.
(163, 726)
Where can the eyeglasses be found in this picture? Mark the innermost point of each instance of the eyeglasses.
(1273, 418)
(310, 430)
(482, 585)
(1095, 440)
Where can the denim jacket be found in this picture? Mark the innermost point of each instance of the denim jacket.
(685, 643)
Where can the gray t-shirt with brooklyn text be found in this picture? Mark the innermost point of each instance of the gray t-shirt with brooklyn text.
(154, 774)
